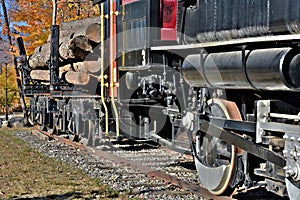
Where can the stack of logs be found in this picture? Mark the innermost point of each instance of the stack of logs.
(79, 53)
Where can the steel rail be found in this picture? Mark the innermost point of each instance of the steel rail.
(138, 168)
(60, 139)
(158, 174)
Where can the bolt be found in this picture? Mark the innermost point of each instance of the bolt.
(261, 131)
(298, 139)
(292, 138)
(285, 152)
(289, 173)
(262, 115)
(285, 137)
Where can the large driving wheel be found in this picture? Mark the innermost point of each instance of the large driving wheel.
(216, 163)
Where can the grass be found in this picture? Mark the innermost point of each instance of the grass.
(25, 173)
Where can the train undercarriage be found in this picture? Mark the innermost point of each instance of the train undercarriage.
(240, 139)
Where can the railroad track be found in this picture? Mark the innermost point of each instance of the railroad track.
(144, 170)
(150, 171)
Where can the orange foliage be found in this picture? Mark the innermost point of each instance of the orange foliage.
(32, 19)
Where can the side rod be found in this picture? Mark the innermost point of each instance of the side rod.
(238, 141)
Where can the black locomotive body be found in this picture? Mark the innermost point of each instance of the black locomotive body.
(219, 79)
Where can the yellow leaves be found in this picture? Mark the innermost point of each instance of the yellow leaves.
(36, 17)
(12, 86)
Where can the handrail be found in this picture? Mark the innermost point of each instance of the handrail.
(102, 85)
(113, 74)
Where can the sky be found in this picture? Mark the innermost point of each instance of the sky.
(4, 46)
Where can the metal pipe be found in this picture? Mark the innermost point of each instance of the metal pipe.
(54, 14)
(102, 85)
(6, 94)
(272, 69)
(54, 56)
(112, 66)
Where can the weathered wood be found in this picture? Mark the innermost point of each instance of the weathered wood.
(41, 75)
(92, 65)
(93, 33)
(77, 78)
(70, 50)
(79, 24)
(92, 62)
(76, 27)
(74, 45)
(40, 57)
(75, 48)
(71, 29)
(79, 66)
(80, 47)
(44, 75)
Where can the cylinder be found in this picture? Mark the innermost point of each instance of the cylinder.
(262, 69)
(226, 70)
(265, 67)
(292, 73)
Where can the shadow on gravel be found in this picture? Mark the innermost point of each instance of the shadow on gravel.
(69, 195)
(259, 193)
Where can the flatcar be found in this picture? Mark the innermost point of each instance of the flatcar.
(218, 79)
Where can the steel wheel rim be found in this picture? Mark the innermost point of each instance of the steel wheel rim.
(220, 185)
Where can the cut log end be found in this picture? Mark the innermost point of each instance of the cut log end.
(77, 78)
(93, 66)
(42, 75)
(93, 33)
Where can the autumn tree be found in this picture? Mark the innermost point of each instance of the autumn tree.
(6, 60)
(13, 97)
(32, 19)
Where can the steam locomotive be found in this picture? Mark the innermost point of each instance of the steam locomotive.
(218, 79)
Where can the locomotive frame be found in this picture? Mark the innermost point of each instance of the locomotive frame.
(230, 101)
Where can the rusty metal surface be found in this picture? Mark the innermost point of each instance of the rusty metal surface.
(139, 168)
(193, 188)
(60, 139)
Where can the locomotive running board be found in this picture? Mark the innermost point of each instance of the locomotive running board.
(234, 42)
(238, 141)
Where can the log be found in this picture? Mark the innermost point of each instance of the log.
(72, 77)
(75, 48)
(40, 57)
(44, 75)
(41, 75)
(79, 24)
(93, 33)
(77, 39)
(70, 50)
(77, 78)
(79, 66)
(92, 62)
(80, 47)
(93, 66)
(67, 28)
